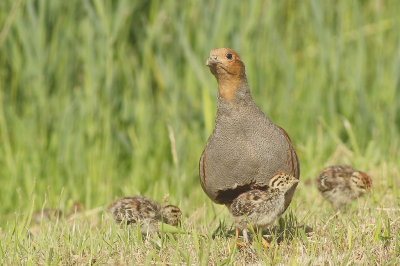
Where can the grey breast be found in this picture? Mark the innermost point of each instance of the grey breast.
(244, 151)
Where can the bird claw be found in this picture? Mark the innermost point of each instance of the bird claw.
(239, 244)
(265, 243)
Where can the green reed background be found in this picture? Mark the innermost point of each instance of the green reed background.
(93, 93)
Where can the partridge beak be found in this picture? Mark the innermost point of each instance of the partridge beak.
(296, 181)
(212, 60)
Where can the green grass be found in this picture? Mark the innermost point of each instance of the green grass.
(94, 93)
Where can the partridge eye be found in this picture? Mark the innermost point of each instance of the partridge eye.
(229, 56)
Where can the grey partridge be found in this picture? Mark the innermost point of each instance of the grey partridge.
(261, 208)
(245, 149)
(138, 208)
(341, 184)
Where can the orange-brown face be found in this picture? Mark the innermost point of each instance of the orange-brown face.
(224, 61)
(362, 181)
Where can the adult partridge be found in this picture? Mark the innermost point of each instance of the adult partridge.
(245, 149)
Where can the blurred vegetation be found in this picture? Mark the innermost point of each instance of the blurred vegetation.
(93, 93)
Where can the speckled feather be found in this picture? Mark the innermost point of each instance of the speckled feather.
(148, 212)
(341, 184)
(248, 202)
(245, 149)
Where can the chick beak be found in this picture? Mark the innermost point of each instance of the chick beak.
(211, 60)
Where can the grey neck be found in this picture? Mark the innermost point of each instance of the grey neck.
(241, 98)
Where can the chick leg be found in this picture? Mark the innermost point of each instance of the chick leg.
(245, 236)
(237, 235)
(240, 244)
(264, 242)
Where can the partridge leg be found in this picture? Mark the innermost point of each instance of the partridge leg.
(240, 244)
(245, 236)
(237, 235)
(264, 242)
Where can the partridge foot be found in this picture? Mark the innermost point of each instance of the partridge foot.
(265, 243)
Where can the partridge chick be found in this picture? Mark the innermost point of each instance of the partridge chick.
(245, 149)
(261, 208)
(46, 215)
(148, 212)
(342, 184)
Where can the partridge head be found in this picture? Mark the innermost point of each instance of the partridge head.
(282, 182)
(361, 182)
(171, 215)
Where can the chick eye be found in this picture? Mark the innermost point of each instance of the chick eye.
(229, 56)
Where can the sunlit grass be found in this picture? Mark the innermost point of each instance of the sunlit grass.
(100, 99)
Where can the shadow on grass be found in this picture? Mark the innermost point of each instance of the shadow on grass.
(223, 230)
(289, 227)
